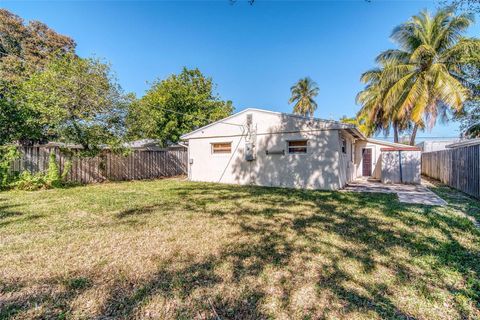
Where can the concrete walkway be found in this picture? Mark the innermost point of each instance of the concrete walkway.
(407, 193)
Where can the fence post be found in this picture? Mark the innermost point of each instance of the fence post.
(106, 166)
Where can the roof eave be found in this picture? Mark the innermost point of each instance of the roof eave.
(385, 143)
(466, 143)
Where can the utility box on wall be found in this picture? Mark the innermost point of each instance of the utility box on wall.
(250, 151)
(401, 165)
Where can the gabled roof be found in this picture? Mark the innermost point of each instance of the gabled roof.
(335, 124)
(346, 125)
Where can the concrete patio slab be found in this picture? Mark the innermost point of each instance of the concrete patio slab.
(415, 194)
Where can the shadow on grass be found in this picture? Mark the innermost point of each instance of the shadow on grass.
(272, 244)
(287, 234)
(8, 215)
(56, 294)
(457, 200)
(7, 212)
(133, 212)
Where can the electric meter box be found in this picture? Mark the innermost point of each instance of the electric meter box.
(250, 154)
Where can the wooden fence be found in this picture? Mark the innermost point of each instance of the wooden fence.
(106, 166)
(458, 168)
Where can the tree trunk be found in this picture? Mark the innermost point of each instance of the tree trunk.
(395, 132)
(414, 134)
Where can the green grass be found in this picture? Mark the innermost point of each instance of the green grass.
(171, 249)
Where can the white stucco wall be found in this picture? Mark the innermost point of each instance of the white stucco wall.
(435, 145)
(410, 167)
(376, 146)
(376, 158)
(323, 167)
(347, 166)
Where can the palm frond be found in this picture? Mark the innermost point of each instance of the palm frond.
(303, 93)
(392, 56)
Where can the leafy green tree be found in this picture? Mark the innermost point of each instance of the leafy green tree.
(463, 5)
(175, 106)
(302, 94)
(24, 50)
(470, 117)
(77, 100)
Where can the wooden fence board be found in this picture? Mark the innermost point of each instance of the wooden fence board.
(107, 166)
(458, 168)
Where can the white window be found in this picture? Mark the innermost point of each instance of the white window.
(222, 147)
(297, 146)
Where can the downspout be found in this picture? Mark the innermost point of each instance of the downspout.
(400, 165)
(189, 164)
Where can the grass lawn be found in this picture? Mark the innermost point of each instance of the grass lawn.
(171, 249)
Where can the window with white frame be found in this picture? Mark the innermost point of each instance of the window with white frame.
(222, 147)
(297, 146)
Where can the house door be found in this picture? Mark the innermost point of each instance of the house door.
(367, 162)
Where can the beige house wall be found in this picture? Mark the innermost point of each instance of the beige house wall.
(324, 166)
(376, 146)
(409, 160)
(376, 158)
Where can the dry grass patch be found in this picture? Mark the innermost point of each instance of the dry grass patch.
(172, 249)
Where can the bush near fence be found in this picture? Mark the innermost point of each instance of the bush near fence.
(136, 165)
(458, 168)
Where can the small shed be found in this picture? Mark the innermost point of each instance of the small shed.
(401, 165)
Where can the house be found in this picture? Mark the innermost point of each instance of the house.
(464, 143)
(435, 145)
(268, 148)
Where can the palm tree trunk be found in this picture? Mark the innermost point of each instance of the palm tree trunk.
(395, 132)
(414, 134)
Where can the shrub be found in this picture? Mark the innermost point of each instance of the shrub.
(53, 172)
(52, 178)
(7, 155)
(66, 169)
(30, 182)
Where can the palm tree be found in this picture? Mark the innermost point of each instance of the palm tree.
(424, 76)
(361, 123)
(303, 94)
(374, 114)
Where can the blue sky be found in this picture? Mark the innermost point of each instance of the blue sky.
(254, 53)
